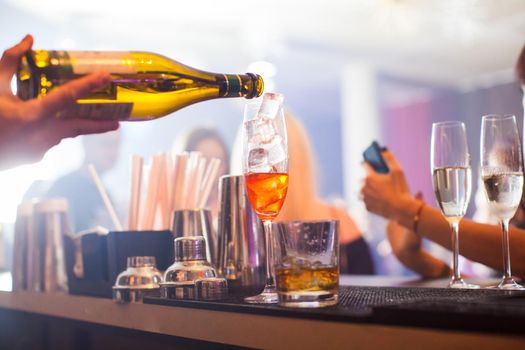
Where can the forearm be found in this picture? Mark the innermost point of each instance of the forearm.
(425, 264)
(478, 242)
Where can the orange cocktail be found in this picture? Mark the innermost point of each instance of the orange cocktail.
(266, 192)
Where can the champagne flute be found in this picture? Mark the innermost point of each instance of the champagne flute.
(451, 179)
(502, 174)
(265, 167)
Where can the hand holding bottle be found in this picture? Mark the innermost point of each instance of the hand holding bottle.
(29, 128)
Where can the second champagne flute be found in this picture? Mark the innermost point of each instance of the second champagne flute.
(265, 167)
(502, 174)
(451, 179)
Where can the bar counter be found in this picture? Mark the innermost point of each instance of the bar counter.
(189, 327)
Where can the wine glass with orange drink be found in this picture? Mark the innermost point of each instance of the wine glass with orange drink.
(265, 167)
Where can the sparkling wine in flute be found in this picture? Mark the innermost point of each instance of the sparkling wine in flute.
(266, 192)
(143, 85)
(452, 187)
(504, 193)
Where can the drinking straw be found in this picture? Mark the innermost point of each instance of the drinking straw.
(209, 179)
(162, 200)
(199, 174)
(179, 180)
(168, 160)
(151, 196)
(189, 180)
(136, 184)
(105, 197)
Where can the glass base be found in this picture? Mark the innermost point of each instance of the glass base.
(510, 284)
(308, 299)
(458, 283)
(268, 296)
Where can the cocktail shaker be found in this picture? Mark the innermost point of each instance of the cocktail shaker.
(50, 225)
(190, 265)
(241, 253)
(196, 222)
(141, 278)
(23, 247)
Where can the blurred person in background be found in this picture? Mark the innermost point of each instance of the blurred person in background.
(29, 128)
(303, 203)
(85, 203)
(211, 144)
(86, 208)
(410, 219)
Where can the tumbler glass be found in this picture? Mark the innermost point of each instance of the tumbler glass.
(307, 263)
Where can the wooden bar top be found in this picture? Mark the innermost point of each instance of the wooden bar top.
(249, 330)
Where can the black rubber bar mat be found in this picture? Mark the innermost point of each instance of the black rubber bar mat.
(469, 310)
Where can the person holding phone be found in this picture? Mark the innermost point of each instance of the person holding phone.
(405, 243)
(410, 218)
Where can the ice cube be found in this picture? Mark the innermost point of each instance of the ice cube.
(302, 263)
(288, 261)
(276, 151)
(260, 130)
(317, 264)
(257, 157)
(275, 96)
(263, 168)
(258, 160)
(270, 105)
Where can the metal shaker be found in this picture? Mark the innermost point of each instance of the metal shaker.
(23, 247)
(196, 222)
(241, 254)
(190, 261)
(190, 265)
(141, 278)
(50, 224)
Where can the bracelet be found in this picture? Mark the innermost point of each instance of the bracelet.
(417, 217)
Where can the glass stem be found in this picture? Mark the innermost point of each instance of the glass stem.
(506, 249)
(455, 250)
(269, 254)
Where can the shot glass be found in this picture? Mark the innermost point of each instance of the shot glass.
(307, 263)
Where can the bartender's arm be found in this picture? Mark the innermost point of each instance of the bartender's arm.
(29, 128)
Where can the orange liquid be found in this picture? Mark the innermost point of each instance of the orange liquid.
(266, 192)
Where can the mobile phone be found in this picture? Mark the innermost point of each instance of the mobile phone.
(374, 157)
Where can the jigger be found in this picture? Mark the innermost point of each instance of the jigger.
(241, 253)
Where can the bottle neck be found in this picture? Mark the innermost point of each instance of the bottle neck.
(240, 85)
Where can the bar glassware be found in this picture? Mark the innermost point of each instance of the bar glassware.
(452, 182)
(502, 174)
(265, 168)
(307, 263)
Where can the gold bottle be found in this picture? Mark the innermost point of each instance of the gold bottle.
(143, 85)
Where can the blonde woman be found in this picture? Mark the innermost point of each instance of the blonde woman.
(303, 203)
